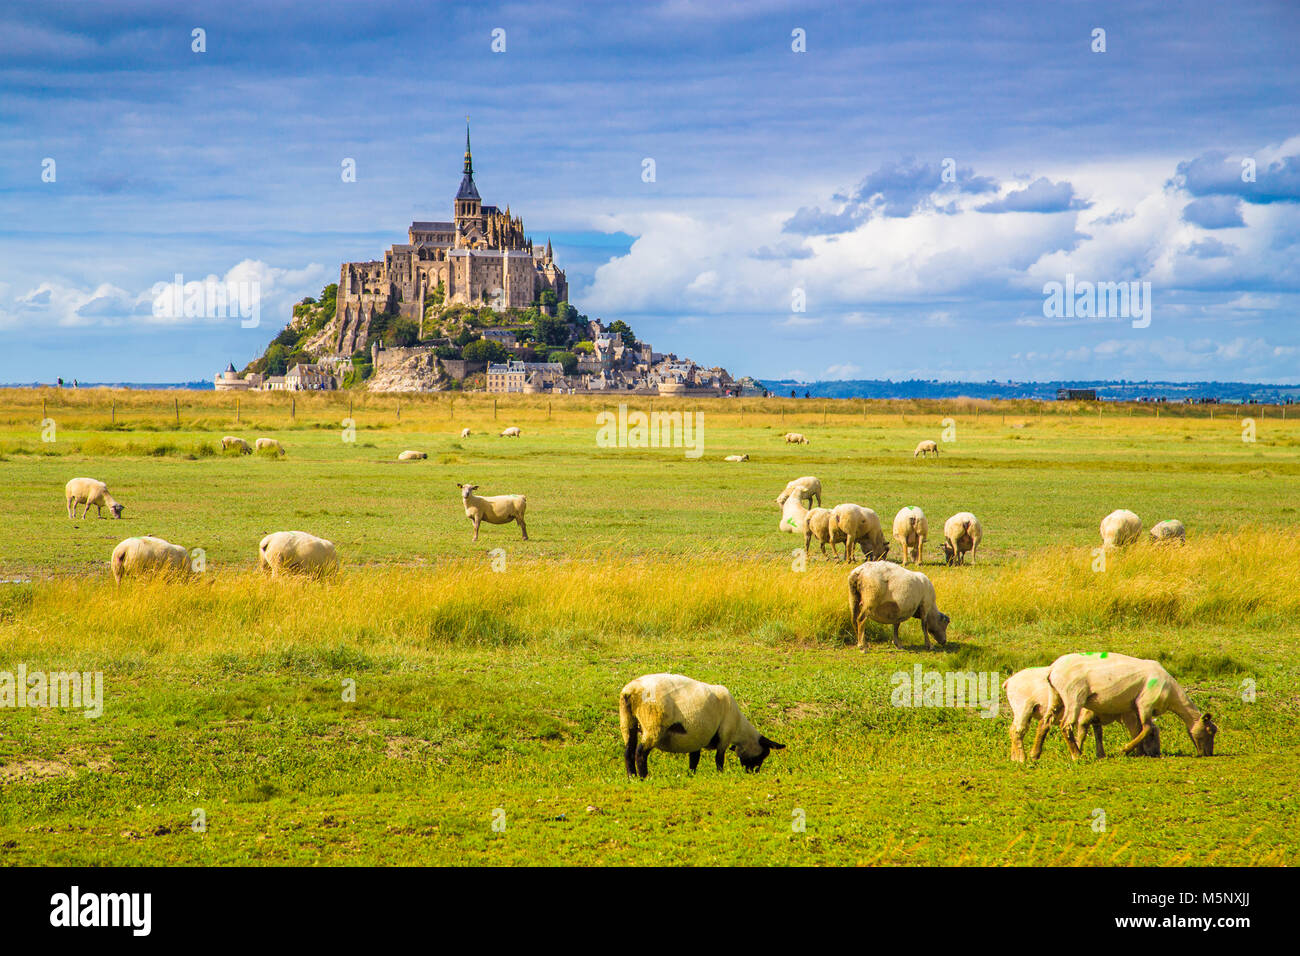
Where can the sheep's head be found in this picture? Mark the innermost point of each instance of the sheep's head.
(938, 627)
(466, 490)
(1202, 733)
(751, 758)
(117, 511)
(949, 554)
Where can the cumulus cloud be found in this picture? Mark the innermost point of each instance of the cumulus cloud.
(1218, 174)
(1042, 195)
(1214, 212)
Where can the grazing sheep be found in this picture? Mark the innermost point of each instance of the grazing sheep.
(511, 432)
(806, 489)
(961, 533)
(861, 526)
(794, 514)
(795, 438)
(736, 458)
(269, 444)
(230, 441)
(889, 594)
(89, 492)
(143, 555)
(464, 433)
(926, 447)
(820, 524)
(1120, 528)
(675, 714)
(910, 531)
(1031, 696)
(412, 456)
(500, 509)
(1111, 685)
(1170, 530)
(283, 551)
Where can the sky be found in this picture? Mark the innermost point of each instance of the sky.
(790, 190)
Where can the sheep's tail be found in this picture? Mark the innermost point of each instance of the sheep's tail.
(630, 729)
(523, 505)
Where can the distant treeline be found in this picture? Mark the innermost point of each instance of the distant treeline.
(1127, 391)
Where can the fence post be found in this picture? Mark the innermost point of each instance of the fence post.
(399, 410)
(176, 402)
(112, 415)
(494, 409)
(236, 411)
(293, 407)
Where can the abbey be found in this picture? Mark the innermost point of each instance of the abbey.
(480, 257)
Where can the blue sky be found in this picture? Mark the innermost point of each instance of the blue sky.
(821, 171)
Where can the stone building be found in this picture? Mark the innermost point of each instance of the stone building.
(229, 380)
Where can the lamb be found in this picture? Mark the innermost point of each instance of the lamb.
(889, 594)
(861, 526)
(412, 456)
(675, 714)
(511, 432)
(926, 447)
(795, 438)
(736, 458)
(1111, 685)
(1030, 695)
(806, 488)
(269, 444)
(820, 523)
(147, 554)
(283, 551)
(1120, 528)
(1168, 531)
(89, 492)
(910, 531)
(464, 433)
(961, 533)
(794, 514)
(230, 442)
(500, 509)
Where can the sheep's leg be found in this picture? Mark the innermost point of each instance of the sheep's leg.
(1136, 741)
(695, 760)
(642, 761)
(70, 508)
(720, 757)
(476, 521)
(896, 644)
(523, 527)
(1044, 725)
(87, 511)
(1018, 727)
(629, 752)
(1101, 748)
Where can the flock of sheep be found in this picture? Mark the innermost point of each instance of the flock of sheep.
(669, 712)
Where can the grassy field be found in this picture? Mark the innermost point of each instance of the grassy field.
(484, 726)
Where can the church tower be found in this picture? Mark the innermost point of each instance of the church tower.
(469, 207)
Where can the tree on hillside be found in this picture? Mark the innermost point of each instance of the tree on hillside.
(567, 359)
(485, 350)
(550, 330)
(622, 329)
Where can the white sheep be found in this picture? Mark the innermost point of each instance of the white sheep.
(1168, 531)
(794, 514)
(412, 456)
(1031, 696)
(499, 509)
(1120, 528)
(820, 523)
(230, 441)
(89, 492)
(675, 714)
(925, 448)
(269, 444)
(806, 488)
(910, 531)
(511, 432)
(283, 551)
(889, 594)
(464, 433)
(736, 458)
(795, 438)
(147, 554)
(961, 533)
(1110, 685)
(860, 526)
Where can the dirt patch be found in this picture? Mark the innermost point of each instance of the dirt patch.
(38, 769)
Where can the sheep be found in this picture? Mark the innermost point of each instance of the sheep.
(910, 531)
(143, 555)
(89, 492)
(1109, 685)
(926, 447)
(736, 458)
(675, 714)
(231, 442)
(464, 433)
(269, 444)
(806, 488)
(412, 456)
(1120, 528)
(820, 524)
(1169, 530)
(299, 551)
(961, 533)
(860, 525)
(794, 514)
(795, 438)
(1030, 695)
(500, 509)
(511, 432)
(889, 594)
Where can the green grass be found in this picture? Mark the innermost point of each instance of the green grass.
(482, 695)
